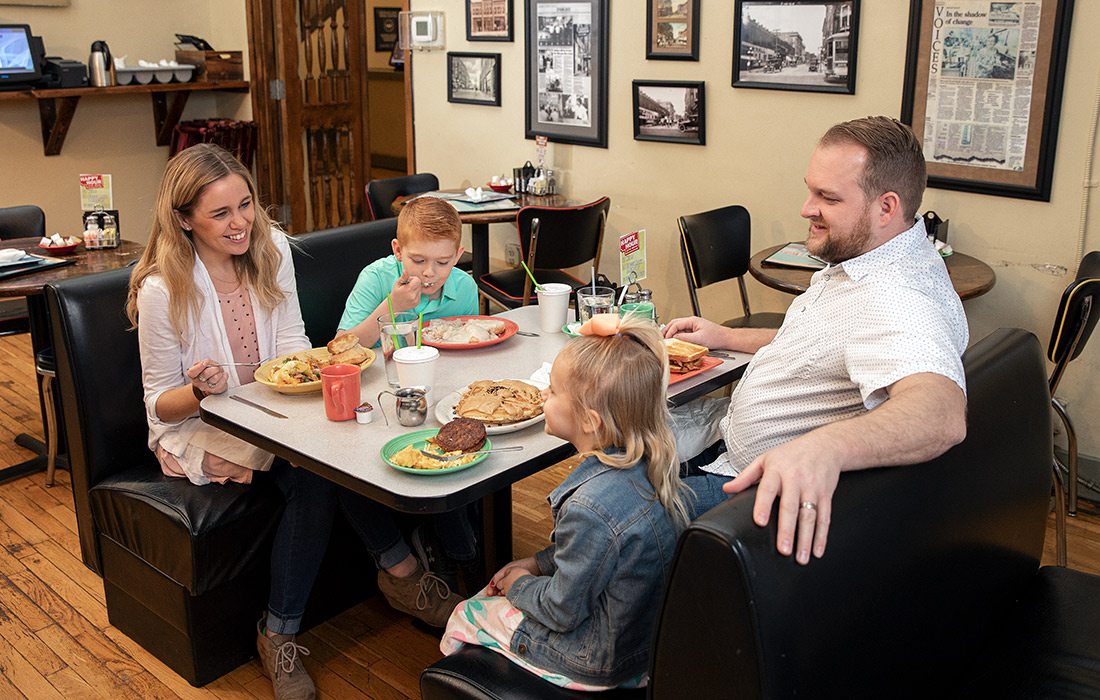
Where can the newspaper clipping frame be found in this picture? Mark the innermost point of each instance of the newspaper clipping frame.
(566, 60)
(983, 92)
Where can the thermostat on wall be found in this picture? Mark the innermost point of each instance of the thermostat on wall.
(422, 30)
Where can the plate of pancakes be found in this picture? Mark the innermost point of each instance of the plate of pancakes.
(300, 372)
(503, 405)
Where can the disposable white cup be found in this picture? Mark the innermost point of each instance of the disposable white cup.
(553, 306)
(416, 366)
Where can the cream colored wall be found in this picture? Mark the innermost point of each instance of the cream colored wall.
(758, 143)
(108, 134)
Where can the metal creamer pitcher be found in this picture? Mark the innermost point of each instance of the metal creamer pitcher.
(411, 404)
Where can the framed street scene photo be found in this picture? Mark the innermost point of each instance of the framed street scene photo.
(983, 91)
(804, 45)
(385, 28)
(565, 62)
(672, 30)
(488, 20)
(473, 78)
(670, 110)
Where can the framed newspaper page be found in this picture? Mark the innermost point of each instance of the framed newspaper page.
(566, 66)
(983, 92)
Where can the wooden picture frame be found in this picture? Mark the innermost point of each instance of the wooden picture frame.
(800, 45)
(1014, 53)
(673, 111)
(473, 78)
(489, 20)
(672, 30)
(566, 71)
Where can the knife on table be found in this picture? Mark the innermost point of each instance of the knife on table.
(265, 409)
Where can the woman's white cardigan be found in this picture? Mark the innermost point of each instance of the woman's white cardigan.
(165, 357)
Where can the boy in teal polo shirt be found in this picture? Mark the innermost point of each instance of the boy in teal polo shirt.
(419, 276)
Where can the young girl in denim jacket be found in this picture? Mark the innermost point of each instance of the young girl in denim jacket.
(580, 613)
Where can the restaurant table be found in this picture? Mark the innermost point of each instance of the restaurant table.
(970, 277)
(347, 452)
(479, 221)
(31, 286)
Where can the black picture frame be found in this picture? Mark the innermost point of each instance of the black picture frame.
(476, 21)
(672, 111)
(1024, 170)
(664, 19)
(385, 28)
(766, 58)
(461, 76)
(566, 50)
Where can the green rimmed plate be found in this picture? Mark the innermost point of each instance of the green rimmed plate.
(571, 329)
(419, 440)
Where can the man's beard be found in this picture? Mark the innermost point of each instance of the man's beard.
(838, 249)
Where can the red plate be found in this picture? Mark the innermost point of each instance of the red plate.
(708, 363)
(60, 249)
(510, 329)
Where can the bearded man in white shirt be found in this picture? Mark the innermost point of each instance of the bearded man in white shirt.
(866, 369)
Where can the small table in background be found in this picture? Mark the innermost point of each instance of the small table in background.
(31, 286)
(479, 221)
(970, 277)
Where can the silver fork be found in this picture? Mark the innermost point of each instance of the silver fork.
(451, 458)
(233, 364)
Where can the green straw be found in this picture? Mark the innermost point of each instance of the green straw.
(398, 339)
(419, 329)
(528, 271)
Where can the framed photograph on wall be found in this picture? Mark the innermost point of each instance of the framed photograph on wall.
(385, 28)
(983, 91)
(670, 110)
(672, 30)
(565, 62)
(473, 78)
(804, 45)
(488, 20)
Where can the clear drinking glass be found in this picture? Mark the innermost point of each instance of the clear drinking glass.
(396, 332)
(591, 302)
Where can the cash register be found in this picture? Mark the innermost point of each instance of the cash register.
(24, 64)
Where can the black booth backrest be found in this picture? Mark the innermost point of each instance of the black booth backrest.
(24, 221)
(921, 561)
(327, 263)
(99, 376)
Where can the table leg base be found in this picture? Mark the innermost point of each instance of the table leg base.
(496, 523)
(34, 464)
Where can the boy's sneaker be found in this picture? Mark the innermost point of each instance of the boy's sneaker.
(281, 659)
(421, 594)
(429, 552)
(464, 578)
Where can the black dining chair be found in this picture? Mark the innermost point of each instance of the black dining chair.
(381, 193)
(25, 221)
(716, 246)
(551, 239)
(1073, 325)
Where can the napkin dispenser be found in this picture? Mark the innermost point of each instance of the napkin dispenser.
(935, 226)
(522, 177)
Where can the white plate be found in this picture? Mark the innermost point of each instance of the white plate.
(445, 410)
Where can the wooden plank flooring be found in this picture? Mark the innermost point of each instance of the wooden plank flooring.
(56, 642)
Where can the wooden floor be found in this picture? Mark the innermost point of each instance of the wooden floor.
(55, 641)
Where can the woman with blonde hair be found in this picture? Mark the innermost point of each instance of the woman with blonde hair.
(215, 285)
(580, 613)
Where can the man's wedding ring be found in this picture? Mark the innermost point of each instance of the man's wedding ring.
(213, 384)
(808, 505)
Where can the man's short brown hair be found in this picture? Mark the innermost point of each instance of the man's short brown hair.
(895, 159)
(430, 218)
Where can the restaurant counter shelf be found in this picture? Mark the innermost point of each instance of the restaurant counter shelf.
(56, 107)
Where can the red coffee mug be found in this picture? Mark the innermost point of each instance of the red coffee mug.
(340, 389)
